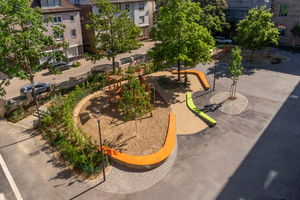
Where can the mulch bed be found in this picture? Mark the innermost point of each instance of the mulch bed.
(121, 135)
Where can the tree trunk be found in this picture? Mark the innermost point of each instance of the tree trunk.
(178, 62)
(294, 43)
(251, 55)
(34, 98)
(114, 67)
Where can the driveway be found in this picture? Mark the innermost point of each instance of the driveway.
(252, 155)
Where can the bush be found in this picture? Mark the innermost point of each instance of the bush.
(73, 143)
(77, 64)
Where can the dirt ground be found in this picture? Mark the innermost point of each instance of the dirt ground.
(246, 54)
(121, 135)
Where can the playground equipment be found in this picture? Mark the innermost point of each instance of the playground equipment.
(116, 93)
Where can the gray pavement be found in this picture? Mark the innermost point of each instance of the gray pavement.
(13, 90)
(252, 155)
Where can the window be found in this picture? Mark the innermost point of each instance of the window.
(51, 3)
(72, 52)
(142, 19)
(143, 32)
(284, 10)
(57, 19)
(72, 18)
(141, 6)
(127, 7)
(60, 37)
(44, 3)
(281, 29)
(57, 3)
(73, 32)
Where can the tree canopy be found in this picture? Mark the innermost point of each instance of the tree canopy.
(215, 9)
(257, 30)
(22, 40)
(181, 38)
(114, 32)
(136, 102)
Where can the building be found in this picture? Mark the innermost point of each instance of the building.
(286, 15)
(140, 12)
(66, 13)
(239, 8)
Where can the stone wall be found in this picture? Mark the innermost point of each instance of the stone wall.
(293, 16)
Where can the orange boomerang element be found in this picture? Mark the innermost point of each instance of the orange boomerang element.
(146, 162)
(201, 76)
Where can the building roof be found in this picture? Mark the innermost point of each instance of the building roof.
(65, 6)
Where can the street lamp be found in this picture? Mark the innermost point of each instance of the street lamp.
(103, 164)
(215, 70)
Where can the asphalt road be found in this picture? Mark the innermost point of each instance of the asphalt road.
(5, 189)
(13, 90)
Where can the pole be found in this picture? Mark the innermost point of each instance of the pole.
(103, 164)
(215, 70)
(37, 105)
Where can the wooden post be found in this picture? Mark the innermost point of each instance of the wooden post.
(121, 86)
(115, 94)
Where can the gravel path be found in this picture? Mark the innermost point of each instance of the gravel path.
(122, 180)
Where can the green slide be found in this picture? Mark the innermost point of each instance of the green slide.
(204, 116)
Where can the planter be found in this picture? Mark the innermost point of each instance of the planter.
(276, 60)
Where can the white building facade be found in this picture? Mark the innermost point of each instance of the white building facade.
(140, 12)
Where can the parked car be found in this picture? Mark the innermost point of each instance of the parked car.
(222, 40)
(61, 66)
(39, 88)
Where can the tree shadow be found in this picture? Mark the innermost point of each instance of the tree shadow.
(223, 71)
(119, 143)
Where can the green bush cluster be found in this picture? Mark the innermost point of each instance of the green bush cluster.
(72, 142)
(77, 64)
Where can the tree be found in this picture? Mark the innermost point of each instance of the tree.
(181, 38)
(136, 102)
(215, 9)
(22, 40)
(235, 70)
(257, 30)
(208, 17)
(114, 32)
(295, 32)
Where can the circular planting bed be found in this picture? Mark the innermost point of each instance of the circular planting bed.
(228, 106)
(120, 135)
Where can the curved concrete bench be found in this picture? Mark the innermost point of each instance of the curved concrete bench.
(146, 162)
(204, 116)
(201, 76)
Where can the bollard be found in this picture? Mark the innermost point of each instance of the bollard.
(131, 59)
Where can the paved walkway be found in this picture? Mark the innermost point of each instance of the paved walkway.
(253, 155)
(186, 121)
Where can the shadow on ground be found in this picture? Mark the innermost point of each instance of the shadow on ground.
(271, 169)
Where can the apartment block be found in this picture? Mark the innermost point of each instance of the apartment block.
(286, 15)
(140, 12)
(239, 8)
(66, 13)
